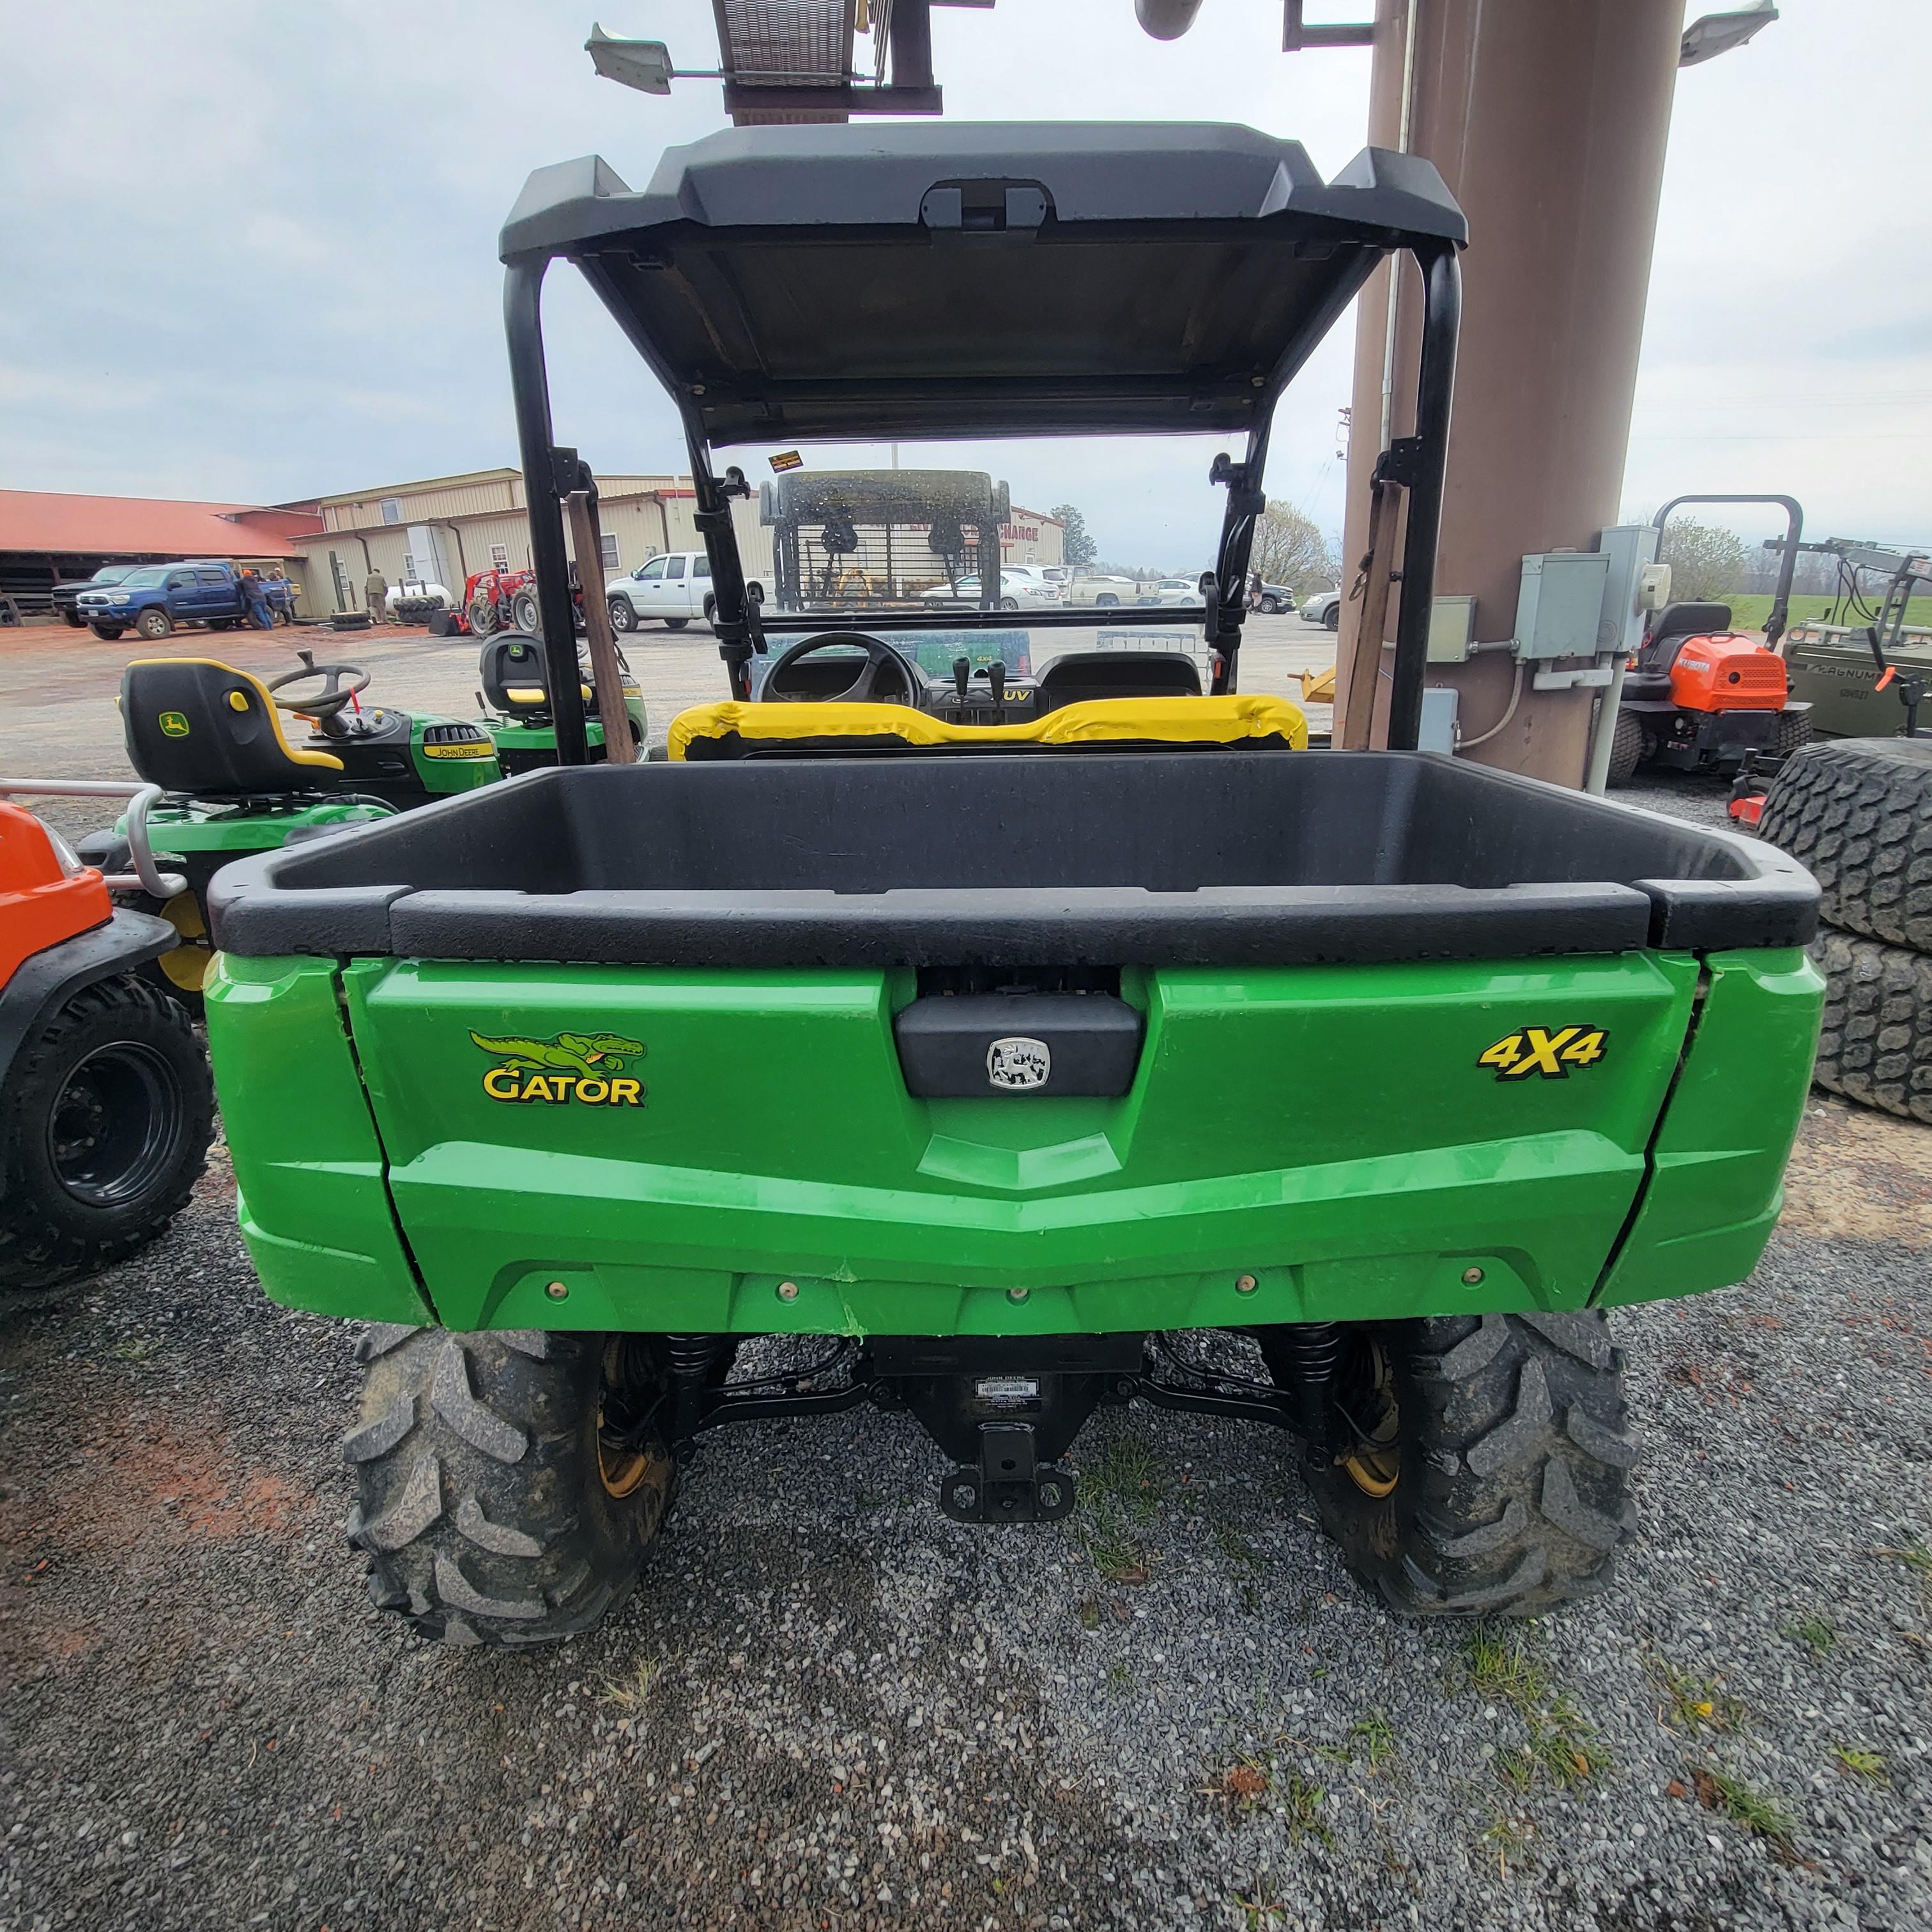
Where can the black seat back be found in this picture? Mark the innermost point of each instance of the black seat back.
(516, 677)
(1078, 676)
(198, 726)
(1689, 620)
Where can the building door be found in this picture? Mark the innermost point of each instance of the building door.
(341, 578)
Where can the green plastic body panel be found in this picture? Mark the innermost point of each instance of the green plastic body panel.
(446, 777)
(234, 832)
(1330, 1132)
(510, 735)
(1718, 1160)
(314, 1209)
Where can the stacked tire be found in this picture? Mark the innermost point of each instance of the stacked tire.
(1857, 812)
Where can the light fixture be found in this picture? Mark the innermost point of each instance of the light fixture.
(643, 65)
(1716, 34)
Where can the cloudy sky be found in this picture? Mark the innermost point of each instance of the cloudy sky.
(249, 247)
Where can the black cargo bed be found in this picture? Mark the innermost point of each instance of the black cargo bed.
(1186, 857)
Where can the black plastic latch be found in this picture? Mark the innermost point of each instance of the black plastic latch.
(1243, 499)
(564, 469)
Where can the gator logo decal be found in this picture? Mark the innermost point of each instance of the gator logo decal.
(173, 724)
(584, 1067)
(1549, 1052)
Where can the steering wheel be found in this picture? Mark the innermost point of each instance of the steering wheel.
(333, 695)
(883, 665)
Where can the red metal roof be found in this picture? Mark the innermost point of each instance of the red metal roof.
(41, 520)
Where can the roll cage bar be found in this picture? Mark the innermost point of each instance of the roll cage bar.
(1416, 461)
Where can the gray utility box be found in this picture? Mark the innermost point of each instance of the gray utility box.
(1561, 604)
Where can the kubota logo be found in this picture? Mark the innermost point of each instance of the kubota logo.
(584, 1067)
(1548, 1051)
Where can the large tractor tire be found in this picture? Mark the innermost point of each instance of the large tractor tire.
(508, 1484)
(1626, 746)
(1494, 1480)
(1857, 812)
(525, 613)
(105, 1121)
(1791, 733)
(1875, 1047)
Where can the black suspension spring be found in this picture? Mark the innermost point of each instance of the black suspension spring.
(690, 1357)
(1307, 1357)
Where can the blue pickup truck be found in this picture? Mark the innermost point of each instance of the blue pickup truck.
(158, 598)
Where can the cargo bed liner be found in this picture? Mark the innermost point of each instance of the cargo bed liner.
(1195, 857)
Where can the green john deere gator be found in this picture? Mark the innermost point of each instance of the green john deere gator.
(998, 1046)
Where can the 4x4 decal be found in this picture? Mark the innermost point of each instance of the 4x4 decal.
(1549, 1052)
(585, 1067)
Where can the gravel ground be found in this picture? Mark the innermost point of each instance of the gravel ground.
(826, 1706)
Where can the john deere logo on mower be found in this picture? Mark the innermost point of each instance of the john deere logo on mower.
(173, 724)
(1548, 1051)
(584, 1067)
(1017, 1064)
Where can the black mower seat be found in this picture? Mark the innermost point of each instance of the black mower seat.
(1082, 676)
(516, 678)
(198, 726)
(1676, 621)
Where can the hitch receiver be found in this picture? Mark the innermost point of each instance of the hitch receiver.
(1010, 1484)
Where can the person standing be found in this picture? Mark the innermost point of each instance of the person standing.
(255, 601)
(376, 593)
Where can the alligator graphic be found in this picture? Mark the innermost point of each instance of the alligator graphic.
(579, 1053)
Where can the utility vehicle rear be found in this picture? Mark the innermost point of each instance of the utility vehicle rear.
(988, 1042)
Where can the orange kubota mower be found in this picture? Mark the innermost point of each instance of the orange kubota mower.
(1699, 696)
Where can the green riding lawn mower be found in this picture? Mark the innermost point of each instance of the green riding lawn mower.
(235, 783)
(992, 1051)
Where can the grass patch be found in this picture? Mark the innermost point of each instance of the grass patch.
(1749, 608)
(1375, 1738)
(630, 1694)
(1561, 1744)
(1115, 1552)
(1302, 1801)
(1694, 1704)
(1860, 1762)
(1235, 1547)
(1508, 1837)
(1129, 1473)
(1262, 1908)
(136, 1350)
(1916, 1558)
(1812, 1629)
(1718, 1791)
(1119, 1675)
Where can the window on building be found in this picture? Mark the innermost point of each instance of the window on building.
(612, 562)
(410, 569)
(499, 556)
(392, 510)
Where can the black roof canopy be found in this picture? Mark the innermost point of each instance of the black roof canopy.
(964, 279)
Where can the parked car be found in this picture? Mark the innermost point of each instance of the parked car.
(157, 598)
(1173, 590)
(1102, 590)
(1324, 608)
(1022, 586)
(1273, 598)
(67, 594)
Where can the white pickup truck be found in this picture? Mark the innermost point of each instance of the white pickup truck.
(670, 590)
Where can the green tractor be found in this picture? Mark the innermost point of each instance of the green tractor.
(235, 783)
(993, 1043)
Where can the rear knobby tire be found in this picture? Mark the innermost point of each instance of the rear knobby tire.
(1791, 733)
(1511, 1457)
(488, 1514)
(105, 1121)
(1626, 748)
(1857, 813)
(1875, 1047)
